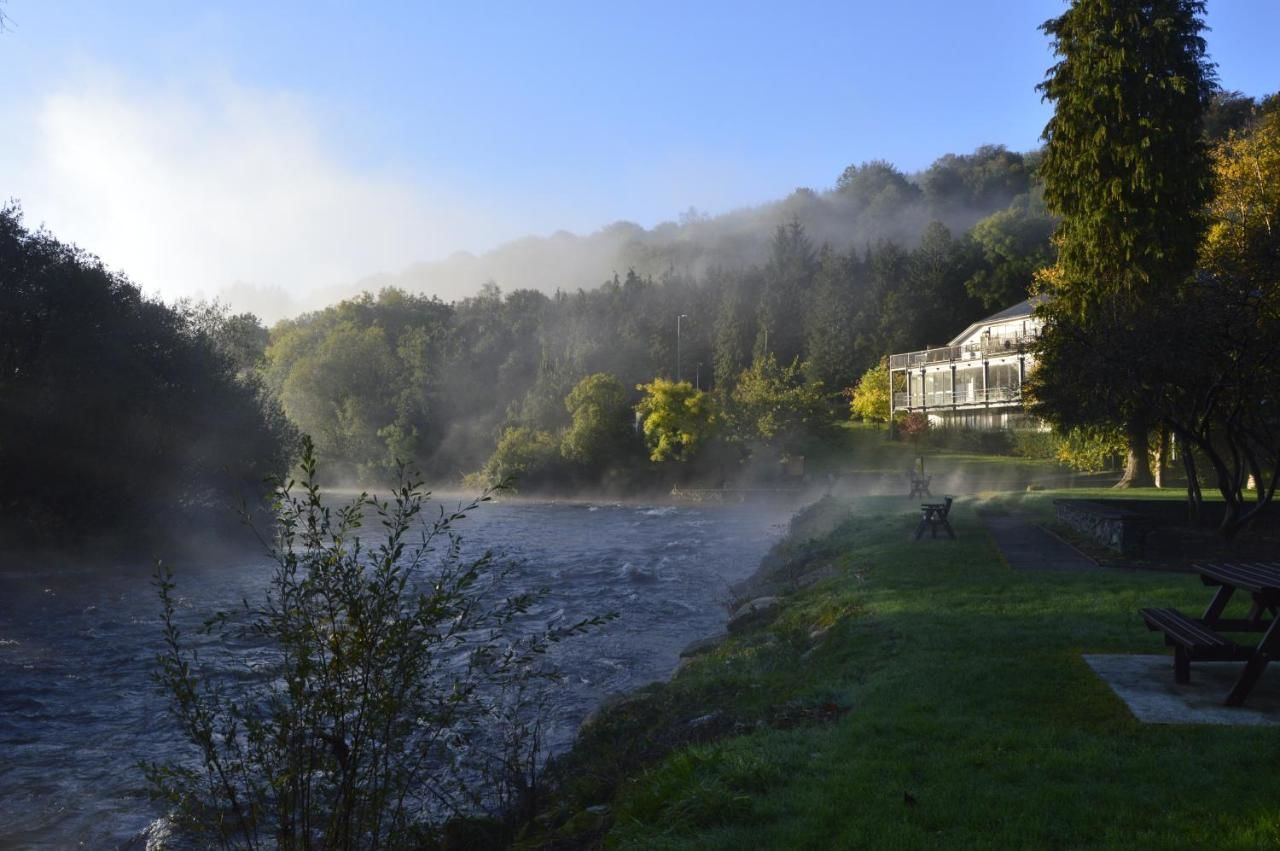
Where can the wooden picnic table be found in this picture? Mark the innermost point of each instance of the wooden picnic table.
(1199, 639)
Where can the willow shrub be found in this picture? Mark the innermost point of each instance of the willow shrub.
(396, 695)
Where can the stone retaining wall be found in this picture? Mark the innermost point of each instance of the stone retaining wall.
(1114, 528)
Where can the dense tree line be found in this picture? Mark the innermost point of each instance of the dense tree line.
(403, 376)
(565, 387)
(116, 404)
(117, 412)
(870, 202)
(489, 382)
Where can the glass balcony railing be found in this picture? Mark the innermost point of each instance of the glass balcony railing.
(983, 347)
(963, 396)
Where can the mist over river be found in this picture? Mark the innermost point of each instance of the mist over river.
(78, 708)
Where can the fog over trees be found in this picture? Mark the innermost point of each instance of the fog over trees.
(870, 202)
(562, 370)
(821, 284)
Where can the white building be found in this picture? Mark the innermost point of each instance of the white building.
(975, 381)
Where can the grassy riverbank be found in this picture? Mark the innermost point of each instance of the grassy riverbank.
(922, 694)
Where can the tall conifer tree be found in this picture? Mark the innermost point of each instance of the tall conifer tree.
(1126, 168)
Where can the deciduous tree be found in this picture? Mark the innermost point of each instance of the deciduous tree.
(1015, 244)
(113, 404)
(775, 405)
(869, 398)
(1223, 396)
(601, 428)
(677, 419)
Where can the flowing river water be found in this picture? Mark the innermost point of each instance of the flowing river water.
(78, 709)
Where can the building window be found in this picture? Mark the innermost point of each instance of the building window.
(1005, 383)
(968, 384)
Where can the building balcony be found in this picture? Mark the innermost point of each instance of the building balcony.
(963, 398)
(985, 347)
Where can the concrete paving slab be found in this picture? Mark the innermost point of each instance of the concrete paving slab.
(1026, 546)
(1145, 684)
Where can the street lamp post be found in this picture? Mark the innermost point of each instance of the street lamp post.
(697, 381)
(678, 318)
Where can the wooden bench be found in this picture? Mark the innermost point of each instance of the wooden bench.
(1191, 641)
(933, 515)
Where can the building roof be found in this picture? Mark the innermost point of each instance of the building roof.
(1022, 309)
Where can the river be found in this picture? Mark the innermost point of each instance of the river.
(77, 645)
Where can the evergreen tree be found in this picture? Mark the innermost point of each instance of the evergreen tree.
(1125, 166)
(936, 274)
(888, 320)
(734, 331)
(829, 327)
(788, 278)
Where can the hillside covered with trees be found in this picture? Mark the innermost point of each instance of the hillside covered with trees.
(721, 342)
(813, 290)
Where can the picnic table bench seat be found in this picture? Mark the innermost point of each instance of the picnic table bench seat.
(1191, 640)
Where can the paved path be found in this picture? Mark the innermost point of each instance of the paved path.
(1028, 547)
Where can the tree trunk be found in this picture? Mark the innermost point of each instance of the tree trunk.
(1162, 456)
(1195, 497)
(1137, 465)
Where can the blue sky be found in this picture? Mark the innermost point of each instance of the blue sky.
(301, 145)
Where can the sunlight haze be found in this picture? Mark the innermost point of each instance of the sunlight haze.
(276, 157)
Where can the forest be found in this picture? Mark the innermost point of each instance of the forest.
(398, 375)
(711, 369)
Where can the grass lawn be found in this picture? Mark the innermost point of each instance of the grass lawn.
(864, 448)
(926, 696)
(1039, 506)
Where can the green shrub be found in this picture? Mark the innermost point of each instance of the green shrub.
(524, 456)
(388, 692)
(977, 441)
(1042, 445)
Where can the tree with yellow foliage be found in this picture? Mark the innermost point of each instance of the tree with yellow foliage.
(1243, 242)
(869, 398)
(677, 419)
(1221, 384)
